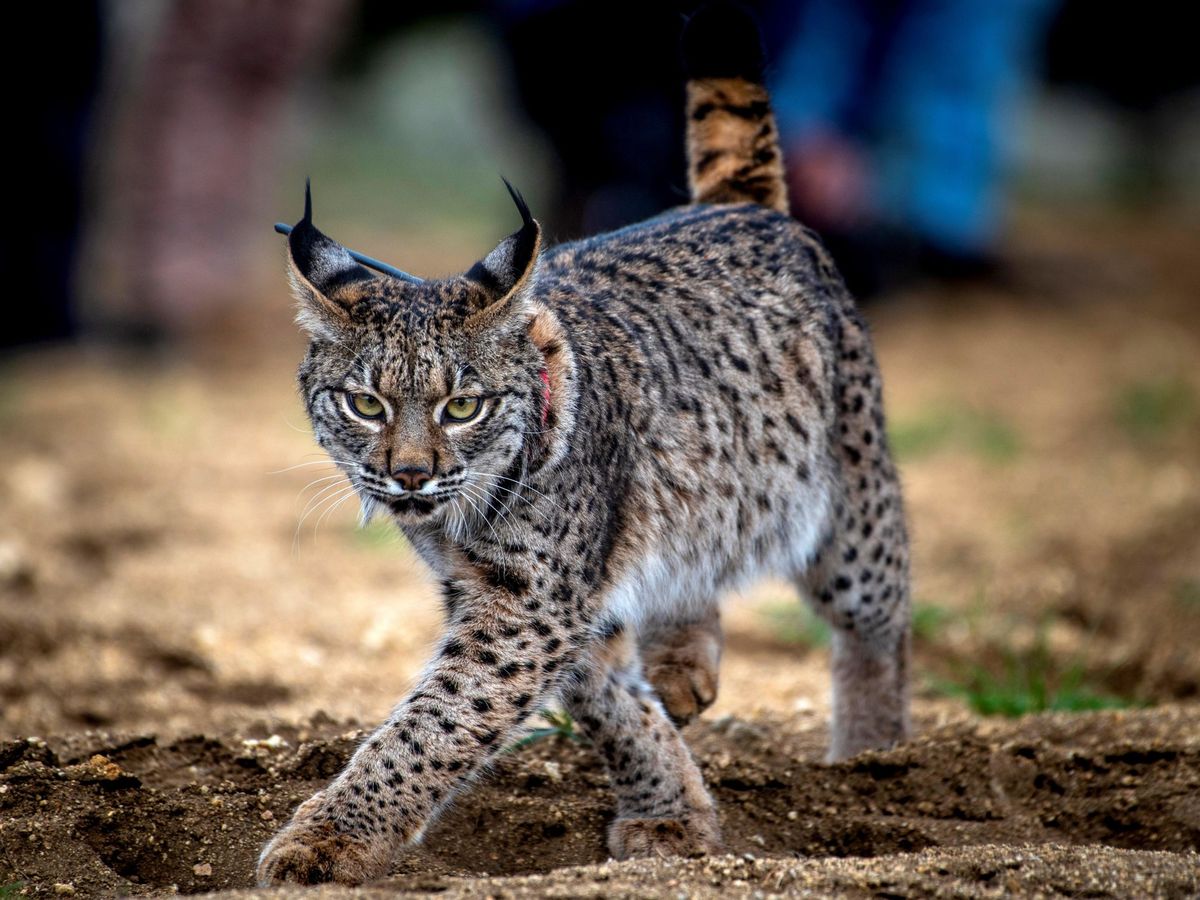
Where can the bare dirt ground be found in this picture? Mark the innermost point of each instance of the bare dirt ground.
(180, 664)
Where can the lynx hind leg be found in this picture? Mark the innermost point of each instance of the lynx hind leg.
(682, 661)
(663, 808)
(859, 584)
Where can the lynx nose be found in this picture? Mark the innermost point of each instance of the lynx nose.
(412, 478)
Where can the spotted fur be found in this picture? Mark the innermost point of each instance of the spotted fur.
(669, 411)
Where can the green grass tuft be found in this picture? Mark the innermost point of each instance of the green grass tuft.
(1029, 682)
(1187, 593)
(1149, 410)
(993, 440)
(920, 436)
(380, 534)
(793, 622)
(928, 620)
(982, 433)
(12, 889)
(558, 724)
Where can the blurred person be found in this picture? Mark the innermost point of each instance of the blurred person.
(892, 111)
(895, 115)
(609, 97)
(190, 154)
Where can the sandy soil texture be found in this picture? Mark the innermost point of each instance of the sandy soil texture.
(181, 663)
(138, 815)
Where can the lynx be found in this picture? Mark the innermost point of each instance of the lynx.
(588, 444)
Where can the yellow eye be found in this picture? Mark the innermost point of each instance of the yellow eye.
(460, 409)
(367, 406)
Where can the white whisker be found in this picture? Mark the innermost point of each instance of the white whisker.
(315, 497)
(482, 516)
(342, 498)
(519, 483)
(487, 501)
(457, 530)
(358, 357)
(328, 461)
(296, 428)
(317, 481)
(462, 519)
(318, 500)
(516, 495)
(367, 507)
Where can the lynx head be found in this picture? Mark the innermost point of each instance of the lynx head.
(435, 397)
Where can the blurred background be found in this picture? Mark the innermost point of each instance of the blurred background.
(1013, 189)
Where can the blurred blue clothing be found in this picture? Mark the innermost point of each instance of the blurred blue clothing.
(927, 87)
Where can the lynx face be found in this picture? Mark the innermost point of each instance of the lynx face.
(424, 417)
(429, 396)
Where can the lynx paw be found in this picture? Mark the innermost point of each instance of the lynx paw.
(312, 851)
(684, 674)
(698, 834)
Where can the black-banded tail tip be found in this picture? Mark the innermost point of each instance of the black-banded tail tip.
(723, 40)
(522, 206)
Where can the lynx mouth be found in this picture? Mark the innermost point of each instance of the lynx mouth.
(412, 505)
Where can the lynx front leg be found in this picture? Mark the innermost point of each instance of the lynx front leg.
(683, 661)
(663, 808)
(503, 655)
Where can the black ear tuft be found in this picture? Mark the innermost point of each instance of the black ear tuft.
(722, 40)
(503, 271)
(522, 206)
(324, 265)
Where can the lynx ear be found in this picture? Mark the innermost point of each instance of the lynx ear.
(505, 271)
(326, 279)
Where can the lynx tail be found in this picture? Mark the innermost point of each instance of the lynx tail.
(732, 142)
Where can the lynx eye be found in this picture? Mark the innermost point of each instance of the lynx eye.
(462, 409)
(367, 405)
